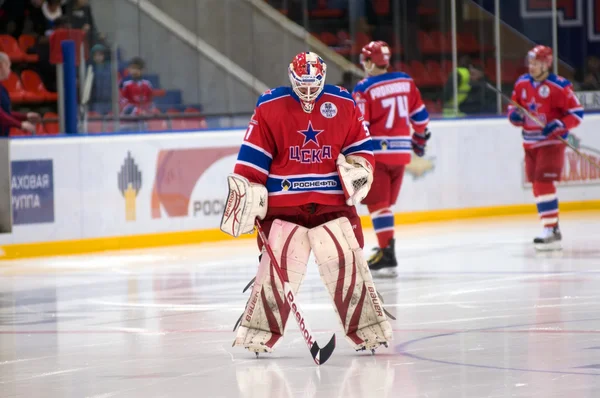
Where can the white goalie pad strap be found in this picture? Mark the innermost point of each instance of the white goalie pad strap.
(347, 277)
(266, 314)
(356, 175)
(245, 202)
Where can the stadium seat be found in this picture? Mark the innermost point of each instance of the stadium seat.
(329, 38)
(9, 45)
(426, 44)
(419, 74)
(94, 126)
(33, 83)
(51, 126)
(323, 11)
(176, 123)
(195, 123)
(441, 41)
(15, 132)
(26, 42)
(158, 124)
(467, 43)
(15, 88)
(402, 67)
(434, 70)
(361, 40)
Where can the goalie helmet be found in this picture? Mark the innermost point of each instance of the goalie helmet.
(307, 73)
(378, 52)
(542, 54)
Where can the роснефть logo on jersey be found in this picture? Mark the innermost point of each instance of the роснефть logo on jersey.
(130, 183)
(310, 155)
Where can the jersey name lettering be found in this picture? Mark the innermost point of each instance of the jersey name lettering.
(390, 89)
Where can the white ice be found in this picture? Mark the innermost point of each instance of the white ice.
(479, 314)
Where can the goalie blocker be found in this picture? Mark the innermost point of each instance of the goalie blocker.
(344, 272)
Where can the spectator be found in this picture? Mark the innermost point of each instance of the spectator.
(8, 118)
(52, 10)
(12, 17)
(589, 79)
(463, 73)
(44, 68)
(102, 86)
(80, 16)
(136, 92)
(480, 99)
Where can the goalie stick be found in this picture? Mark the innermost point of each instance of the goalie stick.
(542, 124)
(320, 355)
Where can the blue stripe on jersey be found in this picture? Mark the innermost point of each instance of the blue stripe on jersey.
(255, 157)
(272, 94)
(337, 91)
(366, 146)
(551, 205)
(364, 84)
(291, 184)
(420, 116)
(558, 80)
(579, 114)
(391, 144)
(382, 222)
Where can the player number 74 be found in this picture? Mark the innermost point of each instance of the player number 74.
(402, 102)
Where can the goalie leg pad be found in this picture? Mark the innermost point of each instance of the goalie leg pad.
(266, 314)
(346, 276)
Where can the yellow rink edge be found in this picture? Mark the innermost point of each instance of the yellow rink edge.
(81, 246)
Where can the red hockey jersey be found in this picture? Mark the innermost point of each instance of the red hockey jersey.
(391, 103)
(548, 100)
(136, 96)
(294, 153)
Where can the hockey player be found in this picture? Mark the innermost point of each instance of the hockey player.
(390, 103)
(550, 99)
(305, 161)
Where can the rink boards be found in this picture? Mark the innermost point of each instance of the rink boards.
(82, 194)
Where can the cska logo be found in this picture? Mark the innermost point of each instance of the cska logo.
(310, 155)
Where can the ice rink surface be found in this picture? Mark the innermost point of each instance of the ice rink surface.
(479, 314)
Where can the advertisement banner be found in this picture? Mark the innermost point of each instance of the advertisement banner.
(32, 187)
(137, 184)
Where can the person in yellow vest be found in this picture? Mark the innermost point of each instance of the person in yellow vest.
(463, 72)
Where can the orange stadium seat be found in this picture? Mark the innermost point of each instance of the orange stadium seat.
(33, 83)
(9, 45)
(51, 126)
(26, 42)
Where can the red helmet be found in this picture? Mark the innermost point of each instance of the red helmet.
(377, 52)
(542, 54)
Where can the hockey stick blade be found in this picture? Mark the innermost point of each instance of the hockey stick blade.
(320, 355)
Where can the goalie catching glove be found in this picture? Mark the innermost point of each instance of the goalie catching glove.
(245, 202)
(356, 174)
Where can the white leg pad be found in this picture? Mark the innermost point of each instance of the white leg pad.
(266, 314)
(347, 277)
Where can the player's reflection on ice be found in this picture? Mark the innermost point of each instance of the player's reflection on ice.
(364, 378)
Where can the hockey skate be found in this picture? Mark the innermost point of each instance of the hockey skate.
(549, 240)
(382, 263)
